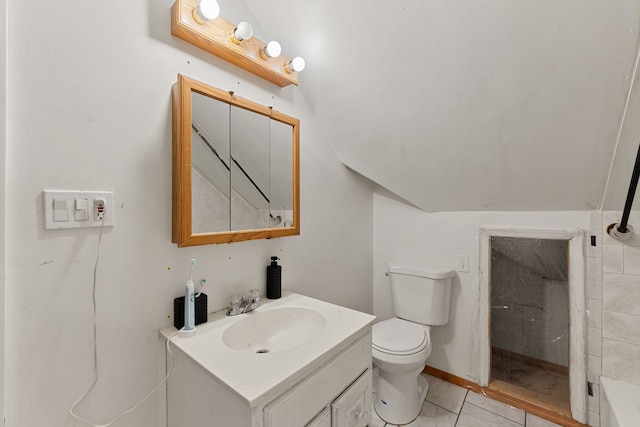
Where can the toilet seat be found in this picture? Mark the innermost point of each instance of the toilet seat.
(400, 337)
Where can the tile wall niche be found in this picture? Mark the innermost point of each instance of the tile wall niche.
(613, 280)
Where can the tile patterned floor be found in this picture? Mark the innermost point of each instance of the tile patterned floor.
(448, 405)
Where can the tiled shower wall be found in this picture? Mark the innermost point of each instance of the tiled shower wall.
(613, 280)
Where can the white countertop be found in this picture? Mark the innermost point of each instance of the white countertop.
(255, 377)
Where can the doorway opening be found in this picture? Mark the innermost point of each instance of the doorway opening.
(529, 326)
(532, 297)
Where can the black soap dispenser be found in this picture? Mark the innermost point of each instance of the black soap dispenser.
(274, 279)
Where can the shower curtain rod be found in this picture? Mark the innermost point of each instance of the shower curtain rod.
(630, 194)
(621, 231)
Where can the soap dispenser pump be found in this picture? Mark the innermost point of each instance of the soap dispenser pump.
(274, 279)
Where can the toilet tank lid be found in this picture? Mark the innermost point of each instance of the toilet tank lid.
(421, 270)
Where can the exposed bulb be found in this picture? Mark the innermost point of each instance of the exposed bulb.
(295, 65)
(271, 50)
(244, 31)
(206, 10)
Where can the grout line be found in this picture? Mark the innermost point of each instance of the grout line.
(491, 412)
(442, 407)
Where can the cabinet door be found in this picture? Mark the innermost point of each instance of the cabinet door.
(353, 407)
(301, 403)
(323, 419)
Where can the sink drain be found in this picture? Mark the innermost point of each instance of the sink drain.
(262, 350)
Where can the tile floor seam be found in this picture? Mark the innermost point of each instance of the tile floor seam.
(491, 412)
(457, 419)
(442, 407)
(464, 399)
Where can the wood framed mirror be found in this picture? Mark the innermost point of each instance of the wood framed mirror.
(236, 168)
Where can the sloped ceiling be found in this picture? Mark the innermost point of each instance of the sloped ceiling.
(468, 105)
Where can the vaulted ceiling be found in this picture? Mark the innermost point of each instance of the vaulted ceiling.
(470, 105)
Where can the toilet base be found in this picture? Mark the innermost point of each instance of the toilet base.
(399, 398)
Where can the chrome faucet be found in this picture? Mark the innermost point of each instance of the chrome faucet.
(244, 304)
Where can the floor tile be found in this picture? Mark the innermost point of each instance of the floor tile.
(376, 421)
(535, 421)
(498, 408)
(434, 416)
(445, 395)
(473, 416)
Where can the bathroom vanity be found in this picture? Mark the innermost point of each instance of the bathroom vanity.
(293, 362)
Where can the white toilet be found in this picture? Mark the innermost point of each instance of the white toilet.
(420, 296)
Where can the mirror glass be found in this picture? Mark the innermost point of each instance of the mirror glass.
(249, 170)
(210, 180)
(235, 168)
(281, 155)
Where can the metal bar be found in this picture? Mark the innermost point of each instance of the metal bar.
(630, 194)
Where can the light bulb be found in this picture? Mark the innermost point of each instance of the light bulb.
(206, 10)
(295, 65)
(271, 50)
(244, 31)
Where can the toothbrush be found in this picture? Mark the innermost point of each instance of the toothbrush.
(190, 302)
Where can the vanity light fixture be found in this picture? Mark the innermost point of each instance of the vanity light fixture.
(244, 31)
(206, 10)
(271, 50)
(197, 22)
(295, 65)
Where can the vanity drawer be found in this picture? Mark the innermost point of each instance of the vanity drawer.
(300, 404)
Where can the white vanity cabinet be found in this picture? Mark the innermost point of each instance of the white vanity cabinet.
(343, 385)
(325, 382)
(335, 394)
(323, 419)
(351, 409)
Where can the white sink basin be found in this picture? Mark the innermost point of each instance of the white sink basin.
(273, 330)
(255, 353)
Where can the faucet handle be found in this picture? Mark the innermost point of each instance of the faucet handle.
(255, 296)
(234, 302)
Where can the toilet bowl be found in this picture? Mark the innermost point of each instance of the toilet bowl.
(400, 349)
(420, 296)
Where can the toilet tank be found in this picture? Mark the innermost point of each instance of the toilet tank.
(421, 293)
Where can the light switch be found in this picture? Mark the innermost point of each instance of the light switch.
(82, 210)
(60, 210)
(463, 263)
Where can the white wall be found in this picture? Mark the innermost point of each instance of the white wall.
(89, 108)
(402, 232)
(507, 91)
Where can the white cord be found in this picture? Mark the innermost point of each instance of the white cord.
(203, 283)
(95, 357)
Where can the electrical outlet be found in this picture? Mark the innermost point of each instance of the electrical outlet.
(463, 263)
(99, 209)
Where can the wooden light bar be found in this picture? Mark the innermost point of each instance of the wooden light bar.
(214, 37)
